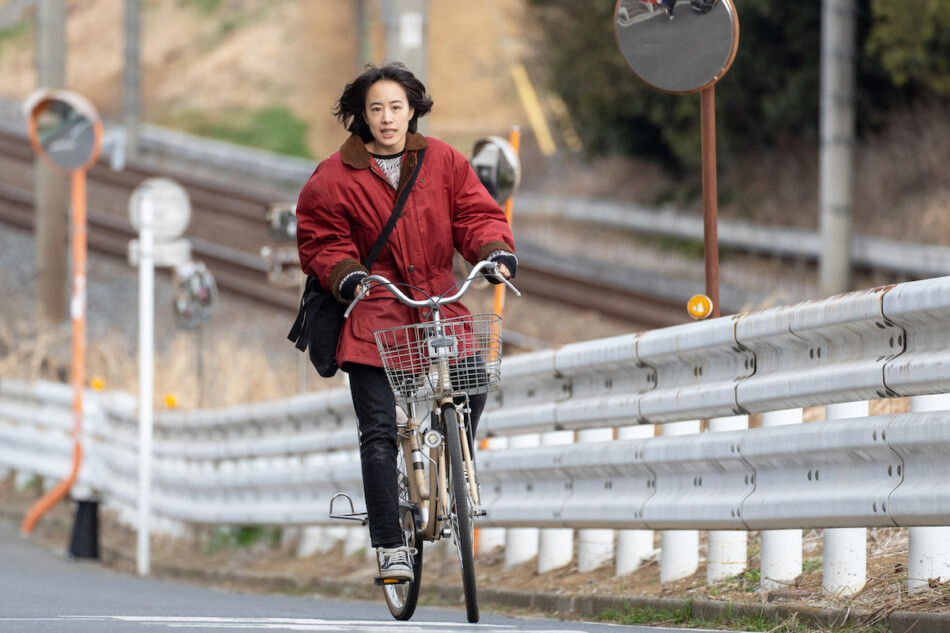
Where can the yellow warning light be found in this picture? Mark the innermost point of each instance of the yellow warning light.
(171, 401)
(699, 306)
(97, 383)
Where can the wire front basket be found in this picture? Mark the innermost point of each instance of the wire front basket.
(470, 345)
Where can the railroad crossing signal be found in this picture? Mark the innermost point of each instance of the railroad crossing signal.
(699, 306)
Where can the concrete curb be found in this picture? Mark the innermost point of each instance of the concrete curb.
(584, 606)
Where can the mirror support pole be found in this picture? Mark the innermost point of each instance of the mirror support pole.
(710, 195)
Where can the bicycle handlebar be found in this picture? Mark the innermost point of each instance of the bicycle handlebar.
(435, 302)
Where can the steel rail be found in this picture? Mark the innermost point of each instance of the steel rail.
(228, 228)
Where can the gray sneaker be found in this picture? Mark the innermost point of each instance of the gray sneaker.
(395, 562)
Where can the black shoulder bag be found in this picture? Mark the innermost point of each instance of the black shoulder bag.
(320, 318)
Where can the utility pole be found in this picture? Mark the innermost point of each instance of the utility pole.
(364, 34)
(131, 77)
(50, 189)
(407, 38)
(836, 164)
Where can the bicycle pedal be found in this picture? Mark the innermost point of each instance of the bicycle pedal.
(379, 581)
(445, 533)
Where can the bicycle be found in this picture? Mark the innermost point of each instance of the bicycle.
(433, 368)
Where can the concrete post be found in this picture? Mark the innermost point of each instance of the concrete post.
(594, 547)
(836, 164)
(781, 549)
(679, 556)
(132, 78)
(51, 188)
(634, 546)
(556, 546)
(491, 538)
(726, 550)
(521, 544)
(845, 558)
(929, 549)
(407, 39)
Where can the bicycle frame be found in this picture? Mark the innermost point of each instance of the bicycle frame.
(418, 361)
(430, 493)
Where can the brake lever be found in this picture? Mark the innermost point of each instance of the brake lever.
(497, 275)
(510, 285)
(362, 294)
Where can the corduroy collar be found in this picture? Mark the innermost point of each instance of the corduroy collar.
(354, 152)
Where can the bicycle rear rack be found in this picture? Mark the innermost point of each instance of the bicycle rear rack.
(352, 515)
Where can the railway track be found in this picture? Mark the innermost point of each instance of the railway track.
(228, 229)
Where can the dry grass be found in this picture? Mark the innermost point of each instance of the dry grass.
(215, 367)
(901, 189)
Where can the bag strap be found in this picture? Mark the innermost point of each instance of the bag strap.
(397, 212)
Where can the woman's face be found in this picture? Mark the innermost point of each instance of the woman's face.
(387, 114)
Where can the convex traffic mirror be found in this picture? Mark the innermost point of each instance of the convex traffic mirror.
(677, 46)
(497, 166)
(64, 129)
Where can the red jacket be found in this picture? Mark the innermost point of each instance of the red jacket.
(346, 203)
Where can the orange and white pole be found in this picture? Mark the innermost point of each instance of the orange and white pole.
(515, 139)
(77, 310)
(70, 141)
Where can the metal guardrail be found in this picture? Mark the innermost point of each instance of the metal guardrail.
(281, 461)
(868, 252)
(878, 471)
(882, 471)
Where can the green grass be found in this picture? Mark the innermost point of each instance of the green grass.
(206, 7)
(646, 615)
(12, 35)
(274, 128)
(241, 536)
(810, 565)
(749, 580)
(683, 617)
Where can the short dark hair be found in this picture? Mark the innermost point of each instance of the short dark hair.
(349, 108)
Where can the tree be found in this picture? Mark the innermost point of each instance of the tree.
(912, 43)
(771, 91)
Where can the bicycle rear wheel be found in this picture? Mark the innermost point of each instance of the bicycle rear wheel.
(401, 598)
(463, 527)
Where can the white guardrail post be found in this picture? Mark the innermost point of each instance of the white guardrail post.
(929, 547)
(781, 556)
(491, 538)
(634, 546)
(679, 549)
(921, 309)
(556, 545)
(844, 551)
(726, 550)
(594, 547)
(521, 543)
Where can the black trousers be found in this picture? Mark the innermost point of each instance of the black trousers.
(375, 408)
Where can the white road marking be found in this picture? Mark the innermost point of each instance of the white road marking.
(287, 624)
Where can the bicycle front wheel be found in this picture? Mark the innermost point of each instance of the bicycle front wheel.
(401, 598)
(463, 528)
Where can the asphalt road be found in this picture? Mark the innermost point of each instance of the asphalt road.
(44, 591)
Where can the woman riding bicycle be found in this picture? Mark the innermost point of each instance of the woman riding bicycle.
(341, 212)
